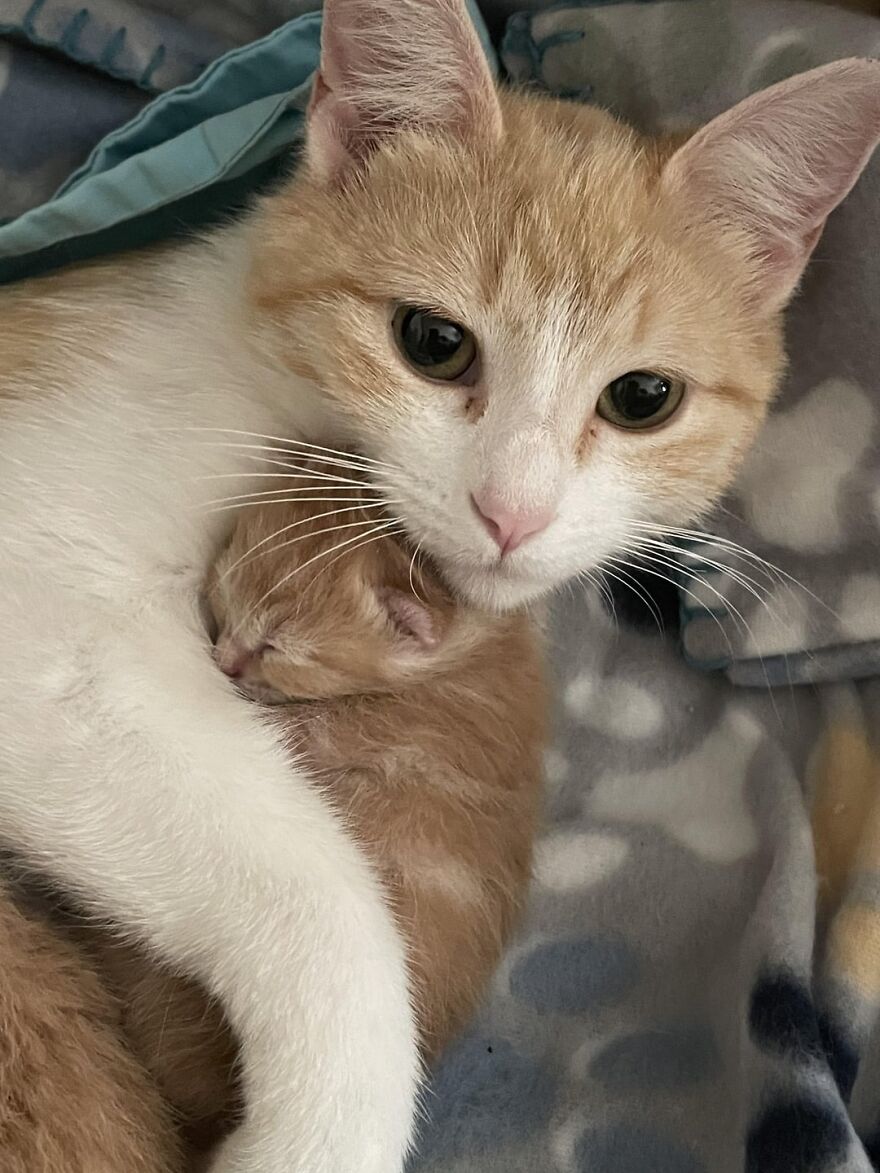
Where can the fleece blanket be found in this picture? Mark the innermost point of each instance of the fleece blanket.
(697, 984)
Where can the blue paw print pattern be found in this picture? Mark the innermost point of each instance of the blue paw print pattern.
(782, 1018)
(484, 1095)
(661, 1060)
(784, 1021)
(803, 1134)
(575, 975)
(628, 1148)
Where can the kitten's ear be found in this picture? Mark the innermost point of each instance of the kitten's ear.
(777, 164)
(413, 620)
(396, 64)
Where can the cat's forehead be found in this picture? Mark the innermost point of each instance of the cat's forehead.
(555, 241)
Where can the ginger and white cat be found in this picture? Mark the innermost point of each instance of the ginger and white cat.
(547, 330)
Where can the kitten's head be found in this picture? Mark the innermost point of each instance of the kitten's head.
(295, 620)
(554, 333)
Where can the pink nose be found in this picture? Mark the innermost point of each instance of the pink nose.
(231, 658)
(508, 527)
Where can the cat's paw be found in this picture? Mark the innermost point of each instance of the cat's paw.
(245, 1152)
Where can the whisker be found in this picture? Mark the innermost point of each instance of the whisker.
(367, 539)
(352, 462)
(735, 613)
(636, 588)
(379, 530)
(295, 474)
(270, 497)
(604, 593)
(286, 440)
(303, 521)
(744, 580)
(621, 563)
(774, 573)
(330, 529)
(412, 563)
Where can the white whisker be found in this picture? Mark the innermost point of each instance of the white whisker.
(330, 529)
(286, 440)
(255, 451)
(621, 563)
(603, 592)
(733, 611)
(271, 497)
(412, 563)
(295, 474)
(727, 545)
(749, 584)
(379, 530)
(635, 587)
(367, 539)
(304, 521)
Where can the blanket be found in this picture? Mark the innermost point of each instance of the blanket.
(696, 986)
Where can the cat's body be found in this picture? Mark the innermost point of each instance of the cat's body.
(107, 644)
(576, 259)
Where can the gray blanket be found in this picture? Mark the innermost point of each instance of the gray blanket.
(697, 984)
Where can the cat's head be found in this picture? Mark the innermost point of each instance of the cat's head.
(294, 619)
(554, 333)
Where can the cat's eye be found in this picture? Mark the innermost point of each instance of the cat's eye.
(436, 347)
(640, 399)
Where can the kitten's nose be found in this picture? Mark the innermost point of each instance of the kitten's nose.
(509, 528)
(232, 658)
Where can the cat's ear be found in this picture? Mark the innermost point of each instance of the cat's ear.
(388, 65)
(778, 163)
(414, 622)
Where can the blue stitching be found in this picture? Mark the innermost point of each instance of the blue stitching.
(152, 65)
(30, 16)
(112, 48)
(71, 35)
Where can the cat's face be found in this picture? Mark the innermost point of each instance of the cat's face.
(555, 254)
(567, 270)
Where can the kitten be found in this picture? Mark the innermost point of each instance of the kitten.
(552, 337)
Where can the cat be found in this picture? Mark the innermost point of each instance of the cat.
(551, 336)
(423, 725)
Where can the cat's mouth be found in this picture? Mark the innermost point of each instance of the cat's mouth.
(499, 586)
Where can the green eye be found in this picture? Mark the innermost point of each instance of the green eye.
(433, 345)
(640, 399)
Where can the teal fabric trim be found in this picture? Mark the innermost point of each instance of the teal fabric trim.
(188, 150)
(284, 58)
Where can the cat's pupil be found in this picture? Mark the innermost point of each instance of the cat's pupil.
(429, 339)
(639, 395)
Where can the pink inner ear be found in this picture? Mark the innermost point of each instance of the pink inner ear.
(778, 164)
(389, 65)
(411, 618)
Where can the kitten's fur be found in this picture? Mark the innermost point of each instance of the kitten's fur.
(575, 252)
(74, 1099)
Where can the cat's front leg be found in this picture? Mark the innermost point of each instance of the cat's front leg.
(160, 798)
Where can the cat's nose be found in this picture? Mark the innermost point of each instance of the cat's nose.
(509, 528)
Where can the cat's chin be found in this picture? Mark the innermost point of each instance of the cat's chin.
(495, 588)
